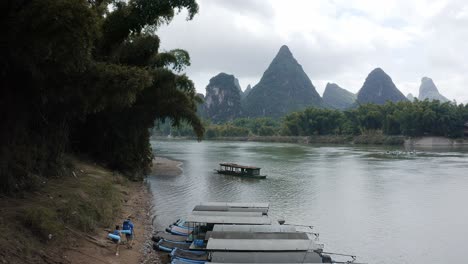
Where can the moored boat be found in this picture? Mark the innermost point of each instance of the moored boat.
(233, 207)
(180, 231)
(181, 223)
(168, 246)
(167, 236)
(241, 233)
(192, 256)
(267, 257)
(182, 261)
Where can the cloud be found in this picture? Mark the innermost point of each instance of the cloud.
(335, 41)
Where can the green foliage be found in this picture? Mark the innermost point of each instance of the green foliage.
(370, 117)
(79, 74)
(313, 121)
(85, 213)
(42, 222)
(416, 118)
(263, 126)
(241, 127)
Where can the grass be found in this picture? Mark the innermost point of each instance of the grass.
(43, 222)
(89, 197)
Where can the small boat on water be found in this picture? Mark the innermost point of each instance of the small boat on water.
(240, 170)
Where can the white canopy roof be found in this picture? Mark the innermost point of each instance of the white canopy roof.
(260, 244)
(244, 205)
(229, 219)
(253, 228)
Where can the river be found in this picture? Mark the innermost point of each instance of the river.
(381, 207)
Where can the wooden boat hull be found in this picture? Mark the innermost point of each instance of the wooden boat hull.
(182, 224)
(168, 246)
(196, 257)
(180, 231)
(169, 237)
(181, 261)
(242, 175)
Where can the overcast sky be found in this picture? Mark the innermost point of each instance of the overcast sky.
(338, 41)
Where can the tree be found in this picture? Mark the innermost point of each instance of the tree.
(120, 137)
(75, 73)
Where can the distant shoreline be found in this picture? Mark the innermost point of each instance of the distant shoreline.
(372, 139)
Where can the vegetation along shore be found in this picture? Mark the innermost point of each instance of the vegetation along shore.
(67, 219)
(388, 124)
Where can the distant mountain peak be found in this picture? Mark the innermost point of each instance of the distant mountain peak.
(284, 55)
(379, 88)
(246, 91)
(285, 50)
(283, 88)
(336, 97)
(426, 79)
(223, 98)
(428, 90)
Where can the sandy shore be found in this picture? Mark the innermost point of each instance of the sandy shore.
(166, 167)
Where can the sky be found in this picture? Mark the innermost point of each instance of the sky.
(339, 41)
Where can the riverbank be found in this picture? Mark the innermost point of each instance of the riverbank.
(67, 219)
(366, 139)
(436, 142)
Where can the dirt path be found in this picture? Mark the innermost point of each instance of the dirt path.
(138, 207)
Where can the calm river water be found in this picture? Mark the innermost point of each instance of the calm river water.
(382, 208)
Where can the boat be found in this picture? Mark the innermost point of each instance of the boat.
(241, 233)
(233, 207)
(268, 257)
(179, 231)
(167, 236)
(240, 170)
(181, 261)
(168, 246)
(180, 223)
(192, 256)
